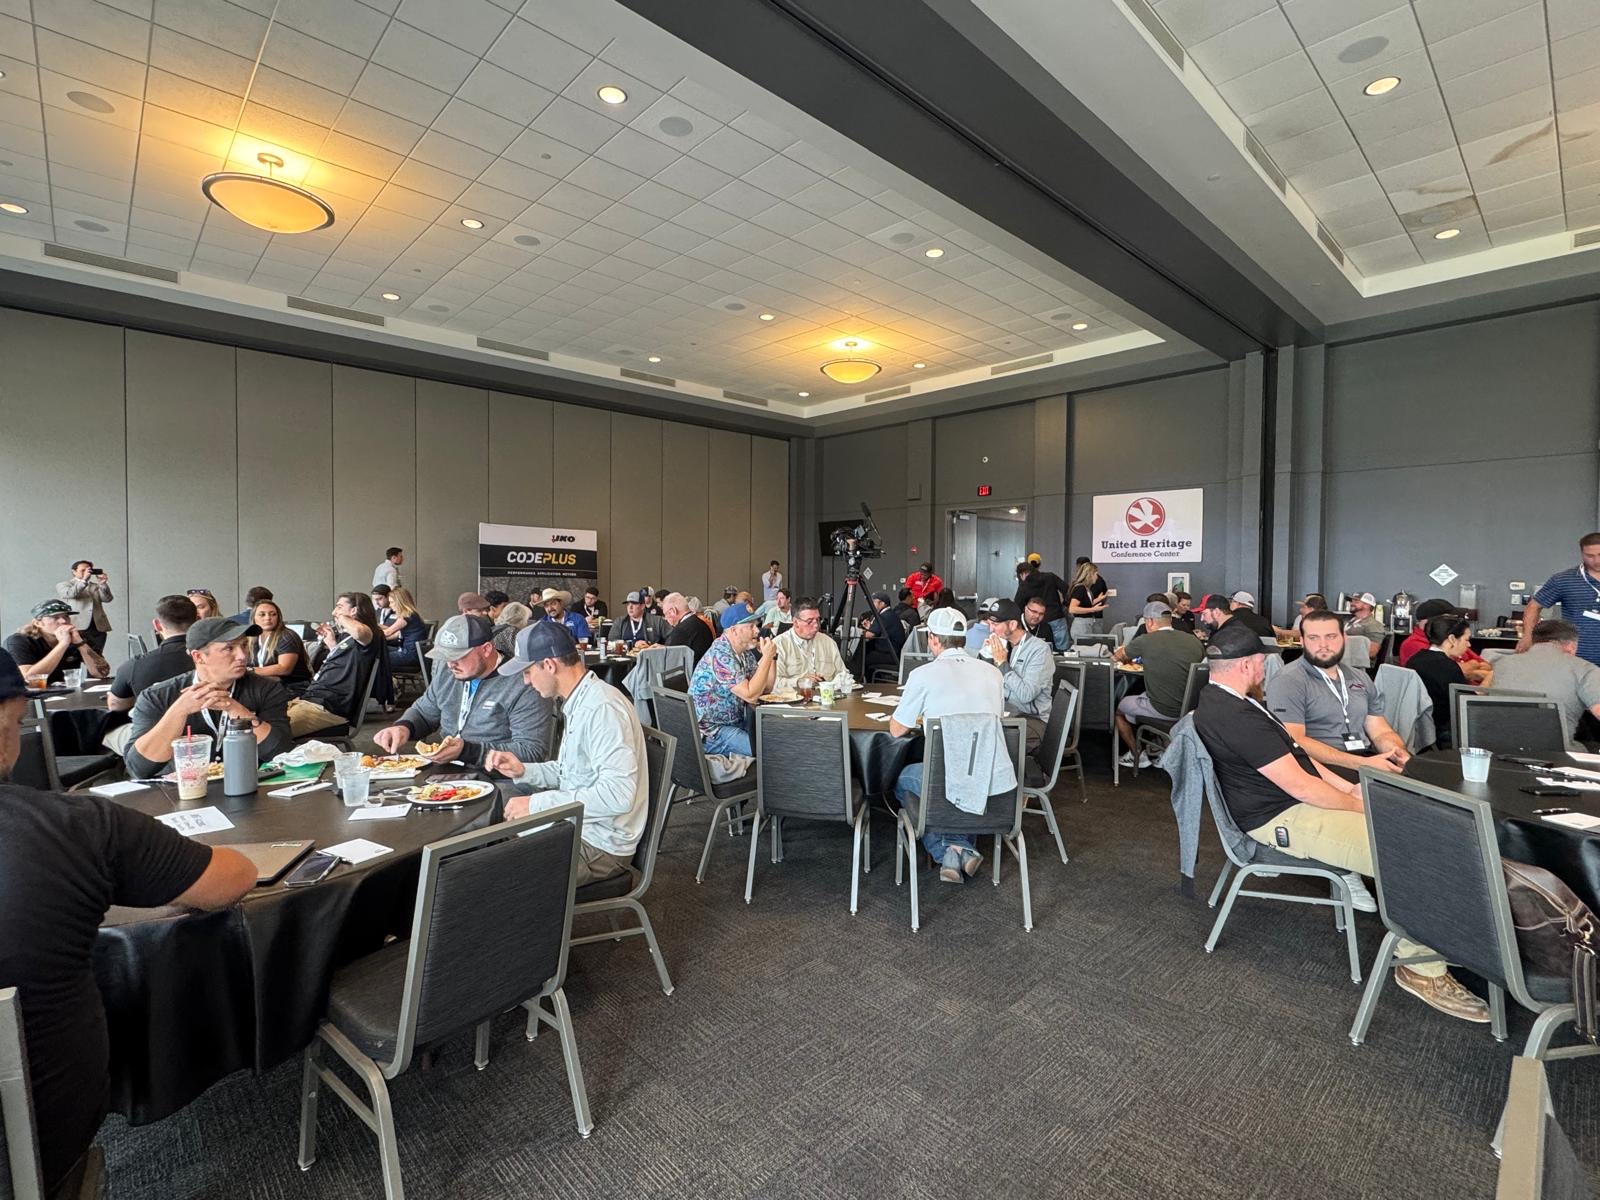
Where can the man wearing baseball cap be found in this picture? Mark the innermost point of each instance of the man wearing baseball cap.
(953, 682)
(639, 628)
(1364, 621)
(1027, 668)
(1166, 654)
(1282, 798)
(473, 604)
(64, 860)
(1244, 613)
(205, 699)
(732, 676)
(474, 706)
(50, 644)
(882, 637)
(728, 593)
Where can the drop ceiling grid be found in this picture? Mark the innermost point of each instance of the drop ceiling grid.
(1494, 129)
(641, 241)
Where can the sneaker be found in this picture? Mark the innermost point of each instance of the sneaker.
(1444, 993)
(1127, 760)
(971, 861)
(950, 867)
(1359, 896)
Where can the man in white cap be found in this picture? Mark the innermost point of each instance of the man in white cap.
(953, 682)
(1243, 605)
(555, 609)
(1364, 621)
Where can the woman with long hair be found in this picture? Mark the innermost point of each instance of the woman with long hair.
(355, 647)
(1085, 601)
(205, 604)
(277, 651)
(408, 628)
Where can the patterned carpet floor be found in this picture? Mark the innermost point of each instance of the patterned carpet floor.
(809, 1053)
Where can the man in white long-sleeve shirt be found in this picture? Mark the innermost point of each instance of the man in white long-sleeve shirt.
(601, 763)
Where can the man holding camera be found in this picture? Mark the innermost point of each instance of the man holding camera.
(88, 592)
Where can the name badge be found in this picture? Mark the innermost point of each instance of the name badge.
(1592, 615)
(487, 705)
(1355, 743)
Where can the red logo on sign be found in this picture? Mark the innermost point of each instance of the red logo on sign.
(1145, 516)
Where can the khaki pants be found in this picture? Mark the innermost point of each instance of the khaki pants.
(117, 739)
(1337, 837)
(306, 717)
(595, 864)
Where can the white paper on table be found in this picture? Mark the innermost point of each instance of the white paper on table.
(196, 820)
(300, 789)
(99, 687)
(871, 695)
(1576, 785)
(1575, 820)
(877, 716)
(1579, 756)
(1580, 773)
(380, 812)
(358, 850)
(122, 788)
(891, 701)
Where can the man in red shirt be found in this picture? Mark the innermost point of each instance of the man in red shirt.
(1471, 663)
(924, 584)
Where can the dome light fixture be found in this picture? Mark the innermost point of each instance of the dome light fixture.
(1444, 235)
(933, 252)
(471, 223)
(918, 366)
(802, 395)
(390, 296)
(612, 94)
(1080, 326)
(655, 358)
(10, 206)
(267, 203)
(850, 370)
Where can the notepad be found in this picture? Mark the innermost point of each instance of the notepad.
(299, 789)
(99, 687)
(1592, 760)
(1576, 785)
(379, 812)
(358, 850)
(196, 820)
(891, 701)
(121, 788)
(1575, 820)
(877, 716)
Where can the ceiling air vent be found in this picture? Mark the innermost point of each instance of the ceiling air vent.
(1258, 152)
(744, 398)
(1589, 237)
(507, 348)
(333, 310)
(646, 377)
(107, 263)
(1157, 29)
(1328, 244)
(1038, 360)
(889, 393)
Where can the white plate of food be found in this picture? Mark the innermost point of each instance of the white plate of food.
(393, 766)
(449, 795)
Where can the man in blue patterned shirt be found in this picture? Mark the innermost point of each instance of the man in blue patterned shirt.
(731, 677)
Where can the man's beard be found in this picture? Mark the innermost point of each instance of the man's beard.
(1331, 660)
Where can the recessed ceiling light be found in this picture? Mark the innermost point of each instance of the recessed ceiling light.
(391, 295)
(918, 366)
(1382, 86)
(1013, 511)
(612, 94)
(768, 317)
(1444, 235)
(472, 222)
(655, 358)
(2, 74)
(10, 207)
(1080, 326)
(802, 395)
(933, 252)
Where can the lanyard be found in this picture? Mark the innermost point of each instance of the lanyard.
(1341, 693)
(467, 695)
(1585, 576)
(211, 720)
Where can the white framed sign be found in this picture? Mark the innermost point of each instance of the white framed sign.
(516, 550)
(1151, 526)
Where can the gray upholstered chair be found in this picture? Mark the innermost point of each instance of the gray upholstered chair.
(1154, 735)
(1506, 724)
(345, 732)
(1436, 862)
(1001, 817)
(136, 645)
(1537, 1162)
(489, 932)
(21, 1175)
(910, 660)
(803, 770)
(623, 893)
(691, 772)
(1039, 780)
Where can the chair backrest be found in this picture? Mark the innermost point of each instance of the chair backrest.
(1460, 691)
(675, 716)
(1073, 673)
(369, 683)
(676, 680)
(36, 758)
(494, 908)
(424, 663)
(1094, 639)
(136, 645)
(1436, 862)
(659, 751)
(803, 763)
(910, 661)
(1536, 1161)
(1119, 633)
(20, 1172)
(1063, 724)
(1385, 650)
(1002, 813)
(916, 641)
(1511, 725)
(1357, 652)
(1199, 676)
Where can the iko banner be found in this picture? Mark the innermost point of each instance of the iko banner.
(522, 550)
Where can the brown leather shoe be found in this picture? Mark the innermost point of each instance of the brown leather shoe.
(1444, 993)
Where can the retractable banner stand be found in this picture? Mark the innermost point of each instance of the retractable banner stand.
(1149, 526)
(517, 559)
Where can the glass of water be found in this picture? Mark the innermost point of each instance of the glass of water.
(356, 784)
(73, 678)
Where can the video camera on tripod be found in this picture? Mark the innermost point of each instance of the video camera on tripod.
(853, 543)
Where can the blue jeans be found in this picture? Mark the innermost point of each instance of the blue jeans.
(1059, 634)
(907, 788)
(729, 739)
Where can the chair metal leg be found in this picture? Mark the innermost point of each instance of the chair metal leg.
(388, 1140)
(310, 1089)
(1083, 784)
(855, 859)
(1049, 811)
(1027, 892)
(999, 846)
(899, 848)
(480, 1056)
(1222, 879)
(1227, 907)
(1374, 988)
(1345, 920)
(1497, 1012)
(655, 947)
(569, 1052)
(724, 809)
(866, 839)
(912, 868)
(773, 825)
(1338, 893)
(750, 871)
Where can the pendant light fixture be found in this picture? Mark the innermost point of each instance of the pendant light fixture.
(851, 369)
(265, 202)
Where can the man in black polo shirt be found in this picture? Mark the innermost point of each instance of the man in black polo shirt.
(1035, 582)
(64, 859)
(1244, 613)
(205, 699)
(51, 645)
(1280, 797)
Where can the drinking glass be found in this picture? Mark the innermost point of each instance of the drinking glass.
(73, 678)
(356, 785)
(191, 762)
(1475, 764)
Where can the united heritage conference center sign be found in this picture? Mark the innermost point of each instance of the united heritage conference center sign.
(1149, 526)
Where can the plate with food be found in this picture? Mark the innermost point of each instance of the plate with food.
(786, 696)
(449, 795)
(393, 766)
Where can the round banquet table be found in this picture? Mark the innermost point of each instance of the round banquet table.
(78, 718)
(876, 755)
(1572, 854)
(614, 668)
(191, 997)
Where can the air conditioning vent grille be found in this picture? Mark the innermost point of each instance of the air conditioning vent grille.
(1588, 237)
(508, 348)
(1329, 244)
(107, 262)
(333, 310)
(1264, 160)
(745, 398)
(646, 377)
(1022, 364)
(889, 393)
(1163, 36)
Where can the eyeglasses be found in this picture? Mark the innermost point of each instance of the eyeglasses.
(807, 620)
(198, 592)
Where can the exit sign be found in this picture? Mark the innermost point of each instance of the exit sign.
(985, 490)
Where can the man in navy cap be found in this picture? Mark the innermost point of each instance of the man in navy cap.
(601, 764)
(882, 636)
(729, 680)
(65, 859)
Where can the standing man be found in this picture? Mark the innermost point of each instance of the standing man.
(1166, 655)
(1027, 668)
(771, 582)
(388, 571)
(1578, 592)
(729, 680)
(1033, 581)
(924, 584)
(88, 592)
(639, 628)
(804, 652)
(687, 628)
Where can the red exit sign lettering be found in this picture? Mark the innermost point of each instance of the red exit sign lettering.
(985, 490)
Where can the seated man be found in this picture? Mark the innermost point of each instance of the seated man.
(1166, 655)
(64, 860)
(883, 636)
(474, 705)
(729, 680)
(1364, 621)
(804, 652)
(497, 603)
(1282, 798)
(555, 609)
(474, 604)
(1034, 624)
(1334, 712)
(1183, 616)
(687, 628)
(722, 606)
(1551, 666)
(383, 607)
(777, 614)
(953, 682)
(50, 644)
(1473, 667)
(355, 647)
(1243, 605)
(639, 628)
(601, 763)
(1027, 668)
(905, 607)
(215, 690)
(170, 658)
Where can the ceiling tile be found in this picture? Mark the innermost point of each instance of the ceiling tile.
(98, 24)
(476, 126)
(1277, 82)
(305, 57)
(575, 125)
(378, 128)
(731, 151)
(633, 150)
(422, 57)
(353, 27)
(1317, 20)
(471, 25)
(398, 94)
(536, 56)
(502, 92)
(1246, 47)
(1483, 45)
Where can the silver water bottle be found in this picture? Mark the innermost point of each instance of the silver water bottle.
(240, 763)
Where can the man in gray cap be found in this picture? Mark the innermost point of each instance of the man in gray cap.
(472, 703)
(1027, 668)
(1166, 654)
(50, 644)
(205, 699)
(721, 606)
(1282, 798)
(601, 764)
(639, 628)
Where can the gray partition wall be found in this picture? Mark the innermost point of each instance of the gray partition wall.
(178, 463)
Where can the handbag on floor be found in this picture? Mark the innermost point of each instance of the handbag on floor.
(1557, 936)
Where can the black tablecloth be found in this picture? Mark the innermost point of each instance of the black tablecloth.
(192, 997)
(613, 669)
(1572, 854)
